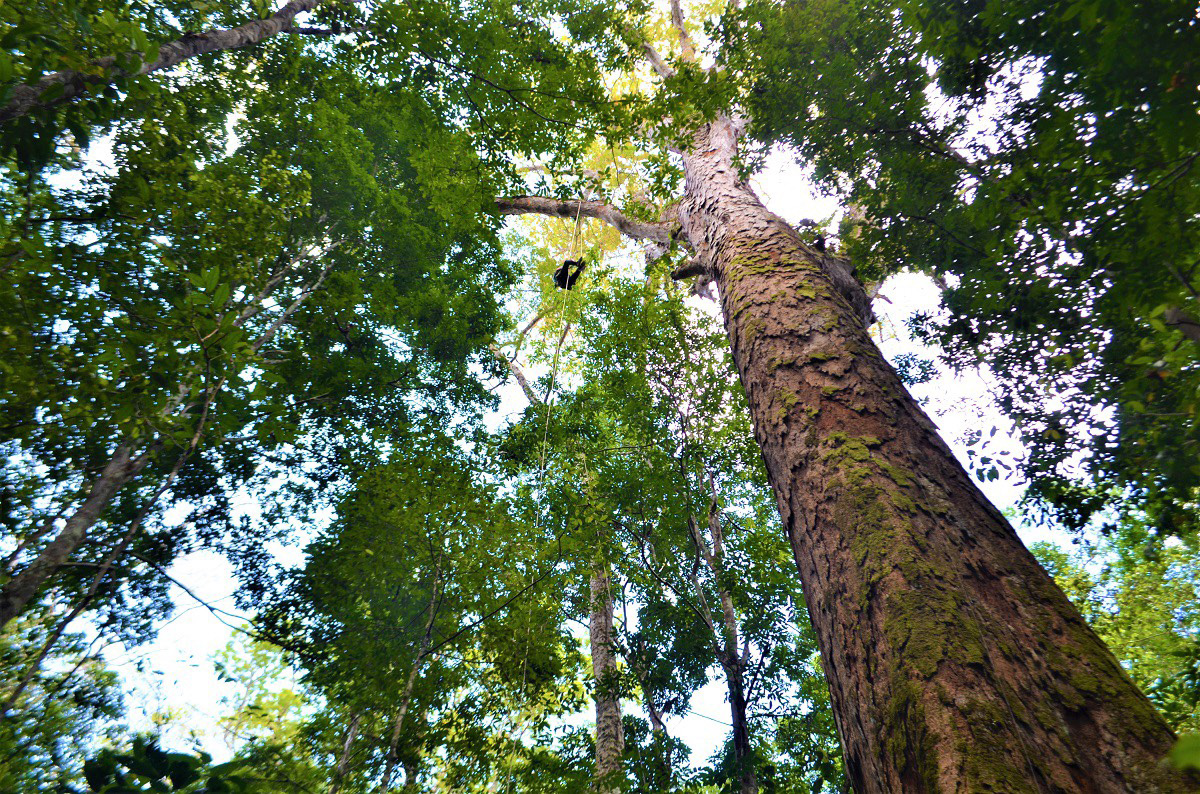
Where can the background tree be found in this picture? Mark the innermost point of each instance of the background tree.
(1140, 595)
(159, 303)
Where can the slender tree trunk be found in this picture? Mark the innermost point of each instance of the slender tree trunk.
(24, 587)
(655, 714)
(122, 467)
(343, 764)
(409, 685)
(393, 754)
(954, 662)
(610, 735)
(25, 99)
(742, 751)
(398, 725)
(732, 658)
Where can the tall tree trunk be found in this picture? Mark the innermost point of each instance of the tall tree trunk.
(610, 735)
(24, 99)
(954, 662)
(393, 754)
(742, 756)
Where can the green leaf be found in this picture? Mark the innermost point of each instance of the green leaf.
(1186, 752)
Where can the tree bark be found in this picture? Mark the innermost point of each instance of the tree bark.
(954, 662)
(24, 587)
(610, 735)
(343, 764)
(24, 99)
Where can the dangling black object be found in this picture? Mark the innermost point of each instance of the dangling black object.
(819, 243)
(565, 277)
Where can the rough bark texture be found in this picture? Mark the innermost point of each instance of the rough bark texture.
(610, 736)
(22, 588)
(27, 98)
(955, 663)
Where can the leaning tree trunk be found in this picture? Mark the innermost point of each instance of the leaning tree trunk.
(69, 84)
(23, 587)
(610, 736)
(954, 662)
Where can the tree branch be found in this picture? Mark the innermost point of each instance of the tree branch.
(696, 266)
(685, 40)
(656, 61)
(517, 372)
(74, 83)
(541, 205)
(537, 318)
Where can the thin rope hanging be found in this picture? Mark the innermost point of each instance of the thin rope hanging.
(548, 401)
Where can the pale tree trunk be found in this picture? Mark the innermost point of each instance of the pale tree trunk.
(610, 735)
(343, 764)
(954, 662)
(24, 99)
(27, 583)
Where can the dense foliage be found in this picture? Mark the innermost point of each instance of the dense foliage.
(1038, 159)
(273, 275)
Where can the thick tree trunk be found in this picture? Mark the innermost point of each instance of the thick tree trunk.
(610, 735)
(24, 99)
(22, 588)
(954, 662)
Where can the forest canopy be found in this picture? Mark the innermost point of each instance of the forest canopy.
(460, 335)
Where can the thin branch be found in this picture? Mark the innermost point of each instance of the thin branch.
(268, 334)
(524, 333)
